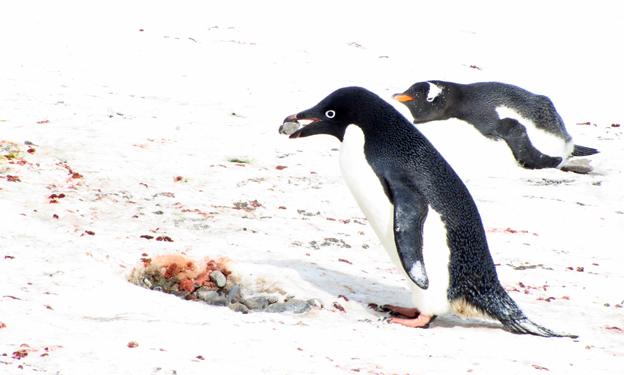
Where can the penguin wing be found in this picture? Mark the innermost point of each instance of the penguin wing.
(410, 211)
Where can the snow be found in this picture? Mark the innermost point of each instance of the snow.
(131, 95)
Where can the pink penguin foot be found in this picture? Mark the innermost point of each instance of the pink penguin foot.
(422, 321)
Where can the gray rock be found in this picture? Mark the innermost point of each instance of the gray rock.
(272, 299)
(315, 302)
(289, 127)
(233, 295)
(239, 307)
(211, 297)
(147, 282)
(257, 303)
(218, 278)
(295, 306)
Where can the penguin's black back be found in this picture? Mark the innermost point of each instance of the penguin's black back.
(477, 102)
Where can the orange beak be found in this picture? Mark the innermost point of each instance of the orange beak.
(402, 98)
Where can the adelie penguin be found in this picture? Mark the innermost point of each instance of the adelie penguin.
(528, 123)
(418, 207)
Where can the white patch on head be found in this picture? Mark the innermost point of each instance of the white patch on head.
(547, 143)
(370, 196)
(434, 91)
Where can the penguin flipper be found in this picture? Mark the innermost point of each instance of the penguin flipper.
(410, 211)
(516, 137)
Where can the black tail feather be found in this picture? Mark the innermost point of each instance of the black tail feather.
(583, 151)
(526, 326)
(505, 310)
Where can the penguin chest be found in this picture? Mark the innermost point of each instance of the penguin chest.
(366, 186)
(370, 196)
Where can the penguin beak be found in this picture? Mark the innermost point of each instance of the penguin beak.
(294, 125)
(403, 98)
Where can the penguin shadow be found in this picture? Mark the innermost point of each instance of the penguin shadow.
(360, 289)
(369, 290)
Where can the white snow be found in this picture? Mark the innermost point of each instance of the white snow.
(121, 98)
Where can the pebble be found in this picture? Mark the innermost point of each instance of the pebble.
(211, 297)
(289, 127)
(239, 307)
(257, 303)
(218, 278)
(295, 306)
(315, 302)
(272, 299)
(233, 295)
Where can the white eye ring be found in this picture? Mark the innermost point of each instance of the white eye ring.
(330, 114)
(430, 99)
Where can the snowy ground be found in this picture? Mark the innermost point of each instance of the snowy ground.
(160, 118)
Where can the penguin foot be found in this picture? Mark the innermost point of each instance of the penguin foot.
(421, 322)
(408, 312)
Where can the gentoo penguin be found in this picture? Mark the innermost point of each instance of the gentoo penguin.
(528, 123)
(418, 207)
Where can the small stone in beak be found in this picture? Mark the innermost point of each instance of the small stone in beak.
(290, 127)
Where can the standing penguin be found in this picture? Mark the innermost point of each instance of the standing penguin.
(418, 207)
(529, 123)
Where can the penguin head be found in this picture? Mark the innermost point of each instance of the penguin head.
(332, 115)
(427, 101)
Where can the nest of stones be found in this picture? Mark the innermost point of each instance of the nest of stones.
(211, 281)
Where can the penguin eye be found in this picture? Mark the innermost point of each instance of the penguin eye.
(430, 99)
(330, 114)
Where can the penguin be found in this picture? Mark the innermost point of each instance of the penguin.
(419, 208)
(528, 123)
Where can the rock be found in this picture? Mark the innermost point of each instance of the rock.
(272, 299)
(218, 278)
(239, 307)
(315, 302)
(295, 306)
(211, 297)
(257, 303)
(289, 127)
(147, 283)
(233, 295)
(581, 166)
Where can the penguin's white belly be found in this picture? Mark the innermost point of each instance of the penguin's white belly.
(547, 143)
(370, 196)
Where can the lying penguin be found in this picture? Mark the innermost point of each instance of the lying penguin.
(528, 123)
(418, 207)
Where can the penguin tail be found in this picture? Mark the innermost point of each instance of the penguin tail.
(526, 326)
(504, 309)
(583, 151)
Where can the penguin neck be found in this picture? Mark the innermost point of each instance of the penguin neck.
(454, 101)
(380, 120)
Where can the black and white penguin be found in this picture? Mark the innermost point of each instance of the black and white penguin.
(418, 207)
(528, 123)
